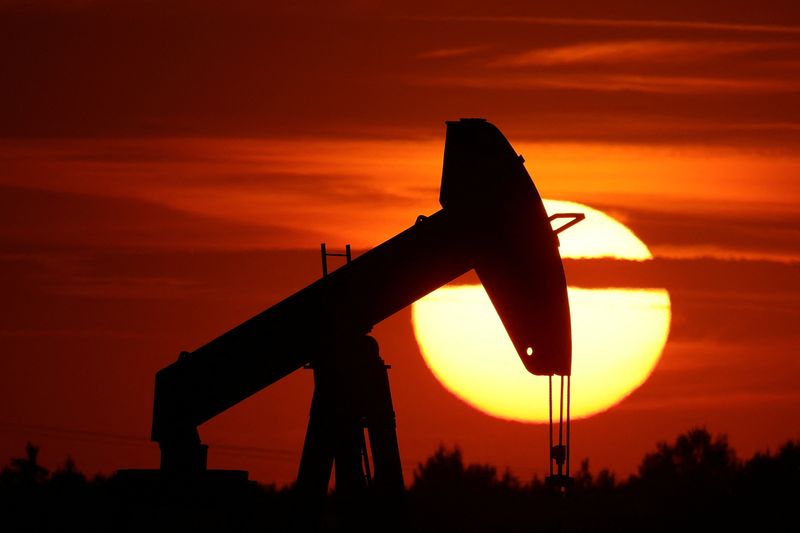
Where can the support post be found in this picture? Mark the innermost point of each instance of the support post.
(351, 397)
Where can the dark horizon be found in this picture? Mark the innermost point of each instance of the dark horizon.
(697, 480)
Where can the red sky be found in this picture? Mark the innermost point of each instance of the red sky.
(168, 169)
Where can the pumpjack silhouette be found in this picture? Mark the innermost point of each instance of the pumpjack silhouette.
(492, 220)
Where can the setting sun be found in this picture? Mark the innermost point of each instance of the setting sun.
(599, 235)
(618, 334)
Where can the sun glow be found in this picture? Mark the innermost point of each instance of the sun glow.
(618, 334)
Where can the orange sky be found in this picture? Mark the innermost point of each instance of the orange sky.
(168, 168)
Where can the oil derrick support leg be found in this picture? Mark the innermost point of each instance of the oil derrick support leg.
(382, 428)
(385, 504)
(333, 440)
(316, 462)
(351, 394)
(351, 480)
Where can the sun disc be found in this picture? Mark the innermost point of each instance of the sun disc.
(599, 235)
(618, 335)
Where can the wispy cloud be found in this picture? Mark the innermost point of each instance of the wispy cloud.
(630, 23)
(634, 51)
(447, 53)
(738, 279)
(32, 219)
(696, 399)
(770, 235)
(640, 83)
(234, 193)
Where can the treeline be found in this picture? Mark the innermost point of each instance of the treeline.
(695, 483)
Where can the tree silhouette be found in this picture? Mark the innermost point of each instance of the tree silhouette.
(448, 495)
(693, 483)
(26, 471)
(586, 481)
(695, 463)
(22, 492)
(772, 481)
(688, 484)
(445, 468)
(67, 477)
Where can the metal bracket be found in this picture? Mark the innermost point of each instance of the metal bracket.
(576, 217)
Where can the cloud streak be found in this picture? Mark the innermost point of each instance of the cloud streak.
(34, 221)
(297, 192)
(636, 51)
(631, 23)
(448, 53)
(610, 83)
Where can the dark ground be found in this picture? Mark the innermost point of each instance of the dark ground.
(695, 483)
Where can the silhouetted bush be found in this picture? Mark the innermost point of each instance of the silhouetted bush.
(696, 463)
(695, 483)
(448, 495)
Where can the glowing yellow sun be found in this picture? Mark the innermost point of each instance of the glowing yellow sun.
(617, 334)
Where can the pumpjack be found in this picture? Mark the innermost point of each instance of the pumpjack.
(492, 220)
